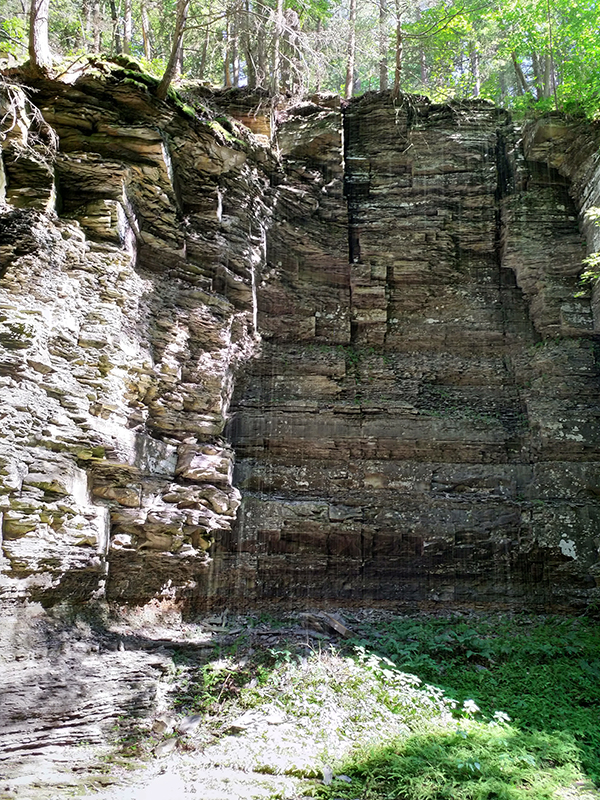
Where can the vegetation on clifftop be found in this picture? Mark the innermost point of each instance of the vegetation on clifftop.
(519, 54)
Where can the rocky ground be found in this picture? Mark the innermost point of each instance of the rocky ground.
(100, 706)
(133, 705)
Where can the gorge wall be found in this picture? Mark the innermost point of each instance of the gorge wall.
(350, 368)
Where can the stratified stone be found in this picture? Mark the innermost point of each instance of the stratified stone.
(122, 324)
(389, 297)
(414, 430)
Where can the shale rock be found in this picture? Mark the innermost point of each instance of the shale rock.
(122, 323)
(422, 423)
(352, 365)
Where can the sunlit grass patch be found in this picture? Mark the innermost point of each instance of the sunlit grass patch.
(341, 699)
(543, 671)
(470, 761)
(398, 710)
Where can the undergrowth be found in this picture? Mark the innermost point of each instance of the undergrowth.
(463, 707)
(544, 673)
(475, 761)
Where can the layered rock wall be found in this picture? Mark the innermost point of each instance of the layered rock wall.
(388, 298)
(423, 421)
(124, 318)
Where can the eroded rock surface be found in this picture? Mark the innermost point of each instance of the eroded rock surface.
(422, 423)
(123, 320)
(390, 293)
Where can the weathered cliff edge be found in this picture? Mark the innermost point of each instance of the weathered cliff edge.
(370, 340)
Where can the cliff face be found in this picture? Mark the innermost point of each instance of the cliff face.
(124, 320)
(423, 421)
(391, 305)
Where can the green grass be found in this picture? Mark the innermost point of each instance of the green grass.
(475, 761)
(543, 673)
(461, 707)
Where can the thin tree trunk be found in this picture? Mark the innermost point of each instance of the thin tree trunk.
(96, 28)
(383, 46)
(294, 77)
(399, 51)
(284, 50)
(261, 58)
(128, 28)
(84, 36)
(227, 60)
(183, 7)
(317, 69)
(502, 81)
(115, 24)
(548, 76)
(246, 44)
(85, 23)
(551, 76)
(235, 60)
(474, 58)
(522, 87)
(351, 52)
(145, 30)
(277, 47)
(204, 53)
(538, 75)
(422, 57)
(179, 62)
(39, 49)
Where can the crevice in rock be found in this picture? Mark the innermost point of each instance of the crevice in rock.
(356, 181)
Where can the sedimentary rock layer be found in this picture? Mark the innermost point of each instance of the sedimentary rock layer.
(388, 293)
(423, 420)
(130, 242)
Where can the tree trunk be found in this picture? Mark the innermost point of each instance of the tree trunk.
(39, 49)
(235, 59)
(145, 31)
(503, 90)
(539, 76)
(351, 52)
(399, 51)
(286, 51)
(259, 27)
(246, 43)
(115, 25)
(550, 70)
(277, 47)
(183, 7)
(128, 28)
(522, 87)
(474, 58)
(548, 76)
(227, 82)
(317, 69)
(179, 62)
(204, 52)
(96, 28)
(84, 22)
(294, 67)
(422, 57)
(383, 46)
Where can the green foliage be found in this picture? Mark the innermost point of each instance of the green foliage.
(13, 35)
(524, 54)
(419, 708)
(592, 263)
(210, 687)
(544, 673)
(474, 761)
